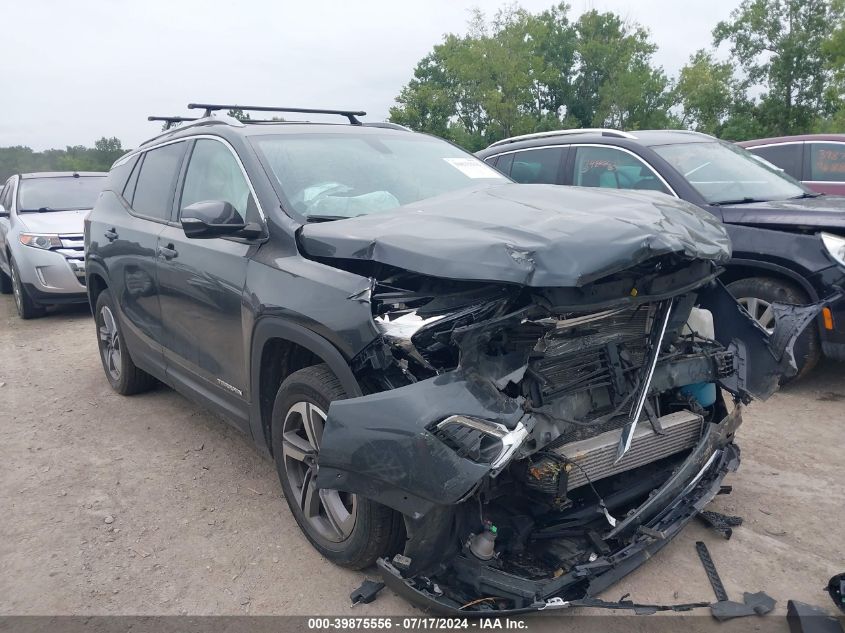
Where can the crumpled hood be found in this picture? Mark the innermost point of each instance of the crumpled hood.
(823, 212)
(63, 222)
(533, 235)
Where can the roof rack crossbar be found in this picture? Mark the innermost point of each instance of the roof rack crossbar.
(213, 107)
(581, 130)
(170, 120)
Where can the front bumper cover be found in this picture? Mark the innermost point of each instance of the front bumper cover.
(663, 516)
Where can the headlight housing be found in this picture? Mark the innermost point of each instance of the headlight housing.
(481, 441)
(835, 246)
(40, 240)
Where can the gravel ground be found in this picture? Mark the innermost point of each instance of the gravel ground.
(151, 505)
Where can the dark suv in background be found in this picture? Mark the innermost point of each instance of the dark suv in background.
(788, 242)
(501, 393)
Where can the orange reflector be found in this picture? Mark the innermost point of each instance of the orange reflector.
(827, 315)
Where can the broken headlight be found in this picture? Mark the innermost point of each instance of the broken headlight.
(481, 440)
(835, 246)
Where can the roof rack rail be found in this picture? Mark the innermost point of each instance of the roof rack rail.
(213, 107)
(581, 130)
(387, 125)
(170, 120)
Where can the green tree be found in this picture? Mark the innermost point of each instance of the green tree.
(708, 93)
(107, 150)
(780, 46)
(21, 159)
(834, 52)
(522, 72)
(616, 84)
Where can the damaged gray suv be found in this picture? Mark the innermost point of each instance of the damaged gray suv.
(506, 396)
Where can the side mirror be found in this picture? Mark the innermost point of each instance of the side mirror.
(211, 218)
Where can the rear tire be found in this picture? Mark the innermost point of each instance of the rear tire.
(27, 308)
(122, 374)
(347, 529)
(757, 293)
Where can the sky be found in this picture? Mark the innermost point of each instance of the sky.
(76, 71)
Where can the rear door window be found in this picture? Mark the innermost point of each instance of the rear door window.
(536, 166)
(827, 162)
(156, 181)
(504, 163)
(612, 168)
(119, 175)
(789, 157)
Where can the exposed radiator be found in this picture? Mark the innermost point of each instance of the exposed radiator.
(597, 454)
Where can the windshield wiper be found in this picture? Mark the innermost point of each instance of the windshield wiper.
(49, 209)
(326, 218)
(745, 200)
(807, 194)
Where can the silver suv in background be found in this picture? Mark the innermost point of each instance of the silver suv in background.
(42, 258)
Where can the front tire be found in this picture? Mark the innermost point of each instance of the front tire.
(27, 308)
(756, 294)
(347, 529)
(122, 374)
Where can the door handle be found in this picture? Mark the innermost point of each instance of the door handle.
(111, 235)
(168, 252)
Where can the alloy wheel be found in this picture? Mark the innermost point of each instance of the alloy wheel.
(761, 311)
(109, 343)
(332, 514)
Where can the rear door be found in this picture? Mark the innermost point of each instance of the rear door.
(825, 166)
(126, 231)
(202, 284)
(538, 165)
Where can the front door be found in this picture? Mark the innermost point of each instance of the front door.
(202, 282)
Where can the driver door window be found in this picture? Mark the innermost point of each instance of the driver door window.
(611, 168)
(214, 174)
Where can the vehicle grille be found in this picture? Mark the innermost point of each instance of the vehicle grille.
(595, 456)
(73, 249)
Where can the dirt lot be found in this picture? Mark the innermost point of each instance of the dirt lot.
(150, 505)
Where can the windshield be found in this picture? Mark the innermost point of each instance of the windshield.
(59, 194)
(335, 176)
(724, 173)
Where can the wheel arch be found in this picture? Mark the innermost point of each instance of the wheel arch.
(95, 282)
(738, 269)
(278, 349)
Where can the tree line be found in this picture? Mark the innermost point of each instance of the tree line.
(523, 72)
(22, 159)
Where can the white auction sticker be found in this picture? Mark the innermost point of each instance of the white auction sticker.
(473, 168)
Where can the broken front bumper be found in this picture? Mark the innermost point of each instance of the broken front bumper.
(646, 531)
(380, 446)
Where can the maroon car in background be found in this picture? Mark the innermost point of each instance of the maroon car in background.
(817, 160)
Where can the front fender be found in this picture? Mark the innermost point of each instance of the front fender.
(379, 445)
(267, 328)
